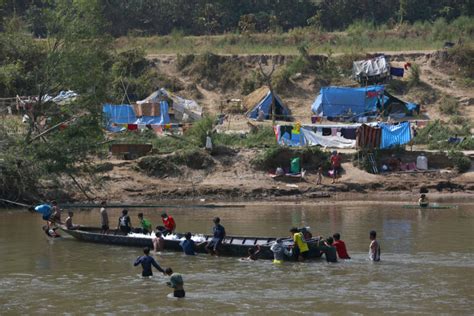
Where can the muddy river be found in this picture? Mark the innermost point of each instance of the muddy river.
(427, 265)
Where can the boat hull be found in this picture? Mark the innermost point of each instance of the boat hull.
(234, 246)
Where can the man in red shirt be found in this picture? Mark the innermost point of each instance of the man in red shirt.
(340, 247)
(169, 224)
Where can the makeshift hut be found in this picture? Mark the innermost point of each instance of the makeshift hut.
(260, 101)
(371, 71)
(122, 117)
(184, 109)
(355, 104)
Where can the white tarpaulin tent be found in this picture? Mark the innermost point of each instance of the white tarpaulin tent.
(377, 67)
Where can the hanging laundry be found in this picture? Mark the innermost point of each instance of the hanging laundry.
(349, 133)
(407, 65)
(395, 134)
(334, 131)
(276, 130)
(326, 131)
(368, 137)
(132, 127)
(167, 126)
(285, 129)
(398, 72)
(141, 127)
(149, 126)
(372, 94)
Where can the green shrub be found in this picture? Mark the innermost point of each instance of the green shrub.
(460, 161)
(184, 61)
(195, 158)
(449, 106)
(463, 57)
(414, 78)
(158, 166)
(279, 156)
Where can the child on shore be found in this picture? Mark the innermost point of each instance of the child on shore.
(319, 176)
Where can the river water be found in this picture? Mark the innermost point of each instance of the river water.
(427, 265)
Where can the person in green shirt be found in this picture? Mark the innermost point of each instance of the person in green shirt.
(176, 282)
(326, 247)
(146, 224)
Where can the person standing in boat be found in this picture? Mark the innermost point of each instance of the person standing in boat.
(169, 224)
(340, 247)
(300, 247)
(104, 218)
(374, 247)
(176, 282)
(56, 213)
(124, 223)
(147, 261)
(145, 223)
(219, 234)
(188, 245)
(423, 201)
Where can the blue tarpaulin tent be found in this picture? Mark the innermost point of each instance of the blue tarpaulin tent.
(353, 102)
(124, 114)
(265, 105)
(338, 101)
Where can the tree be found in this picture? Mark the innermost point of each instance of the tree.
(73, 57)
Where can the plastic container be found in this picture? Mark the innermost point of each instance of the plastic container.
(422, 162)
(295, 165)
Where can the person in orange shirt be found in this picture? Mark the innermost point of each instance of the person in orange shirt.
(169, 224)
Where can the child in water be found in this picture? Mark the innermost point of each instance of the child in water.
(176, 282)
(423, 201)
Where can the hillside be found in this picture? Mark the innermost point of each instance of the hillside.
(438, 81)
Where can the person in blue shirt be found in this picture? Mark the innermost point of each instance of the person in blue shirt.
(147, 261)
(188, 245)
(45, 210)
(219, 235)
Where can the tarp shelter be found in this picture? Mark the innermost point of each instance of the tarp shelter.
(373, 70)
(395, 135)
(184, 109)
(116, 116)
(351, 103)
(261, 100)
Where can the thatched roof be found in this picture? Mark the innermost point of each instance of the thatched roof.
(255, 97)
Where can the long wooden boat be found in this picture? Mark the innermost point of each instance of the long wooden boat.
(430, 206)
(236, 246)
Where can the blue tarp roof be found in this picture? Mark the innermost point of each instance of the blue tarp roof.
(336, 101)
(124, 114)
(281, 111)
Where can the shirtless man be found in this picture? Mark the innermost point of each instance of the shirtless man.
(374, 248)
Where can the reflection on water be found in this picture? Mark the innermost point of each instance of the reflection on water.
(427, 265)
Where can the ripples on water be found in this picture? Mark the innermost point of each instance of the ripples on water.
(423, 270)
